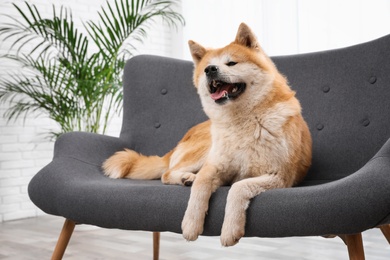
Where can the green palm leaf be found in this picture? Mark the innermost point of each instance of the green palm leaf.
(60, 77)
(127, 22)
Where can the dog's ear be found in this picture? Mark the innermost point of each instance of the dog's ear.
(197, 51)
(246, 37)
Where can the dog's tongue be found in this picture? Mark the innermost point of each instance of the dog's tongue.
(221, 91)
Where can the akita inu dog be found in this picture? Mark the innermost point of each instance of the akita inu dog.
(255, 140)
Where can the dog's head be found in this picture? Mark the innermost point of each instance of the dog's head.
(225, 76)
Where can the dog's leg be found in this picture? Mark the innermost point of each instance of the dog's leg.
(186, 160)
(204, 185)
(238, 201)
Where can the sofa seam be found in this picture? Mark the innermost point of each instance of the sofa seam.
(77, 159)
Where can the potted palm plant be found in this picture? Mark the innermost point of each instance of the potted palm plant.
(62, 78)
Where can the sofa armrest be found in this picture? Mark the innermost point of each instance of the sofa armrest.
(76, 165)
(87, 147)
(350, 205)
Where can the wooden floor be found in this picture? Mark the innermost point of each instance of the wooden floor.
(35, 239)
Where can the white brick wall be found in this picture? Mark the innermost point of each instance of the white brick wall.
(23, 149)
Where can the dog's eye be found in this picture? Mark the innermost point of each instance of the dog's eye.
(231, 63)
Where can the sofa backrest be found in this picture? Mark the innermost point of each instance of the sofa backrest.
(345, 95)
(160, 103)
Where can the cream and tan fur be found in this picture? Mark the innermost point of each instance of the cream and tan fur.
(255, 140)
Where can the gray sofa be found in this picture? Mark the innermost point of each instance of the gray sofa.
(345, 95)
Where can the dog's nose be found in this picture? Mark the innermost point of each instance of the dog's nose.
(211, 70)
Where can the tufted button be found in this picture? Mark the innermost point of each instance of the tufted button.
(164, 91)
(365, 122)
(320, 127)
(157, 125)
(325, 88)
(372, 80)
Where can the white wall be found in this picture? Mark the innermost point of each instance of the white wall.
(286, 26)
(23, 149)
(282, 26)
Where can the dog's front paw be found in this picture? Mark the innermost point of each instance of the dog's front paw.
(232, 232)
(192, 226)
(233, 228)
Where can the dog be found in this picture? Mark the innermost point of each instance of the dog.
(255, 139)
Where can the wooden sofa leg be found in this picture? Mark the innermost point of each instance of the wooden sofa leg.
(63, 239)
(156, 245)
(355, 246)
(386, 232)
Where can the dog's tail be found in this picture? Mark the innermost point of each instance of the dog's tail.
(132, 165)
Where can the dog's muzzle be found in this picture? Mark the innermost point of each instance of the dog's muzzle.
(220, 89)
